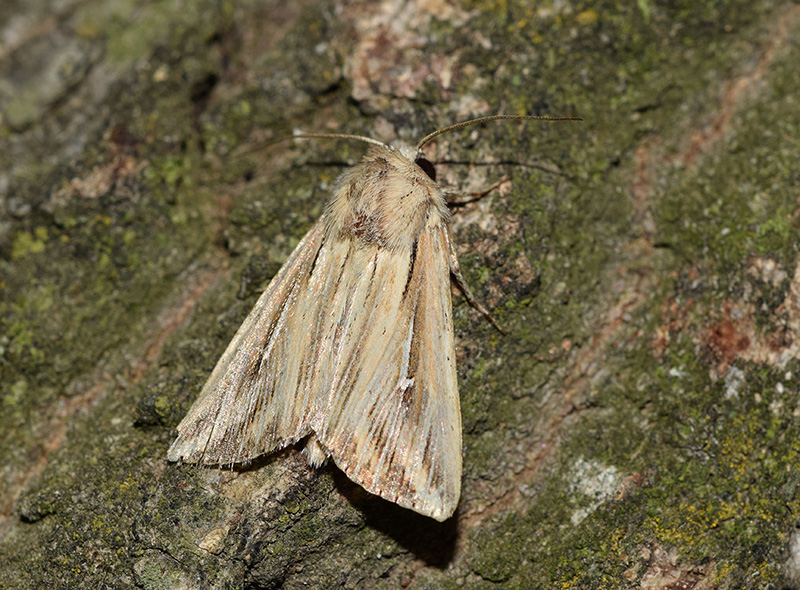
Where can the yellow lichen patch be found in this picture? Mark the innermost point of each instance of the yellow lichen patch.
(587, 17)
(127, 483)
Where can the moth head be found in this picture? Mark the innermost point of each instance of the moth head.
(414, 154)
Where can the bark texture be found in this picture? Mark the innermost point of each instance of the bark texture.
(637, 427)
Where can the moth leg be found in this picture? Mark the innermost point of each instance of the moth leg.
(455, 273)
(458, 198)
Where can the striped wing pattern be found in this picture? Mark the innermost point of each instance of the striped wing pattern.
(353, 344)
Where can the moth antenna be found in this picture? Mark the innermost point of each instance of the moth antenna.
(430, 136)
(329, 136)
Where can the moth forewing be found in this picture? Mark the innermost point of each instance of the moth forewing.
(392, 421)
(242, 411)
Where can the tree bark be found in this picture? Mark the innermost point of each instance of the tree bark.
(637, 427)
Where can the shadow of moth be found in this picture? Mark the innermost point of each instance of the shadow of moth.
(351, 345)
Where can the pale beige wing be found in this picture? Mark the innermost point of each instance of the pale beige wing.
(251, 404)
(391, 419)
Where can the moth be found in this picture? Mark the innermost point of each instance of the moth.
(351, 345)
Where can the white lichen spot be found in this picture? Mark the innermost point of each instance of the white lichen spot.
(734, 379)
(792, 566)
(596, 482)
(676, 372)
(768, 270)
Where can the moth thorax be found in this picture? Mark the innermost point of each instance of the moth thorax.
(386, 200)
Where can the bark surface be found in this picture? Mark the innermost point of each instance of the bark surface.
(637, 427)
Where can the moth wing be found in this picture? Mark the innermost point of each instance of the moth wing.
(392, 420)
(249, 406)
